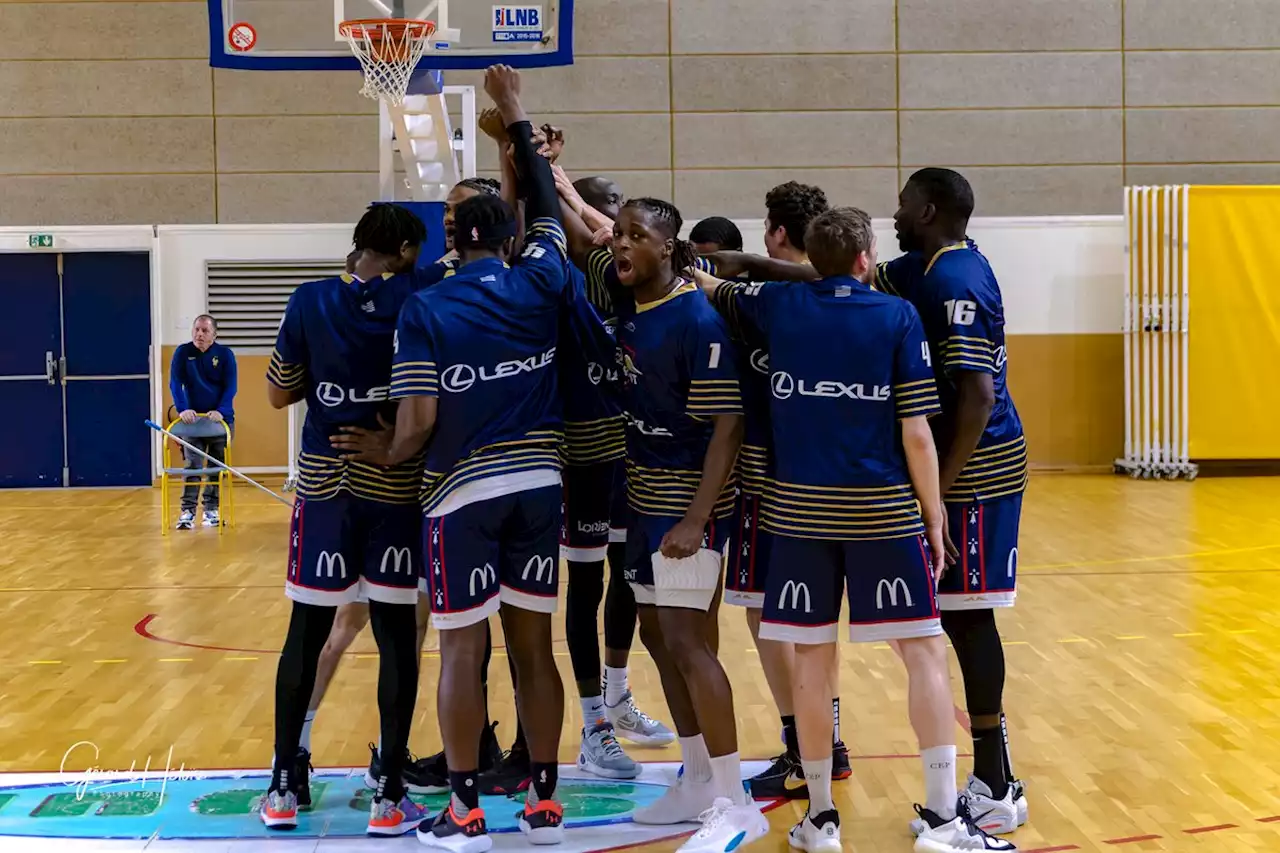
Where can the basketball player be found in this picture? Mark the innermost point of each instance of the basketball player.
(790, 208)
(427, 775)
(983, 460)
(474, 373)
(355, 527)
(715, 234)
(852, 390)
(684, 427)
(595, 524)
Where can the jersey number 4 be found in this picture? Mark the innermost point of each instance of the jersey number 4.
(960, 312)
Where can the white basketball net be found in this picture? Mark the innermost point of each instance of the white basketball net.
(388, 55)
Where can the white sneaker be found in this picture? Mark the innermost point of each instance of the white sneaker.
(185, 519)
(684, 802)
(1020, 799)
(727, 827)
(210, 518)
(819, 834)
(998, 817)
(957, 835)
(600, 754)
(630, 723)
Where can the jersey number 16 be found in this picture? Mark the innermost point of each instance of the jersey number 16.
(960, 312)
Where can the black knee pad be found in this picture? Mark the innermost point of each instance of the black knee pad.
(976, 640)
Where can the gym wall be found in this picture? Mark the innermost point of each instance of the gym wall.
(110, 113)
(1062, 280)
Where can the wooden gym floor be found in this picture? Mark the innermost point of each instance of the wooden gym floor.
(1142, 692)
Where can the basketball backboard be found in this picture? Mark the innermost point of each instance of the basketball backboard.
(268, 35)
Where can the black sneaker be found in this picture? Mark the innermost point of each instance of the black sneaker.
(840, 767)
(784, 780)
(509, 776)
(450, 833)
(490, 749)
(302, 777)
(428, 775)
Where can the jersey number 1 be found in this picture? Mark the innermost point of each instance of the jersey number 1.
(714, 360)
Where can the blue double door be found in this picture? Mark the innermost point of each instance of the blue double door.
(75, 369)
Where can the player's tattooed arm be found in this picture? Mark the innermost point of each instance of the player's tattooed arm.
(760, 268)
(685, 538)
(975, 398)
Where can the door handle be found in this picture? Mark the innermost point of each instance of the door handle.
(50, 368)
(62, 369)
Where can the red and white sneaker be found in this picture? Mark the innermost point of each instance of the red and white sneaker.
(279, 809)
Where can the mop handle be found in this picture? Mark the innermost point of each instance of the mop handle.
(155, 426)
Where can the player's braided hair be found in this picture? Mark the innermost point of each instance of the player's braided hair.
(793, 206)
(384, 228)
(718, 230)
(485, 186)
(479, 217)
(667, 217)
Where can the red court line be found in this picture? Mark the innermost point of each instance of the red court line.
(143, 629)
(1133, 839)
(1216, 827)
(1275, 818)
(962, 718)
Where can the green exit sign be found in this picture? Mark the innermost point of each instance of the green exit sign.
(40, 241)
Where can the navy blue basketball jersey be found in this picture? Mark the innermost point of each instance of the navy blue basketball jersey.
(436, 272)
(484, 341)
(846, 363)
(336, 342)
(679, 370)
(589, 380)
(959, 301)
(603, 288)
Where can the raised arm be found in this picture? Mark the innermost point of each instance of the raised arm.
(760, 268)
(502, 82)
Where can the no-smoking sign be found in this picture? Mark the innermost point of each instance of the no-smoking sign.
(242, 36)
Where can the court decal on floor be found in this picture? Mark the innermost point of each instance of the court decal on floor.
(185, 804)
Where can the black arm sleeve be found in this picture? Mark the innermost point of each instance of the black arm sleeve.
(541, 198)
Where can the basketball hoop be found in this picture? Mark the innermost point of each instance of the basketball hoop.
(388, 50)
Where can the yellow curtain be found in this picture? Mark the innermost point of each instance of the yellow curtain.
(1234, 353)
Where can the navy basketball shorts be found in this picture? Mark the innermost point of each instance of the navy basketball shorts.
(503, 550)
(595, 510)
(346, 548)
(656, 580)
(986, 572)
(889, 584)
(750, 548)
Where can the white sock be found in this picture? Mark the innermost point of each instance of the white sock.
(615, 684)
(592, 710)
(817, 774)
(306, 730)
(726, 770)
(697, 761)
(940, 780)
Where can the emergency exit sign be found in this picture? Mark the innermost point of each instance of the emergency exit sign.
(40, 241)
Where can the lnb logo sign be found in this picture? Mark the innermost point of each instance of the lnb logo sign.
(517, 23)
